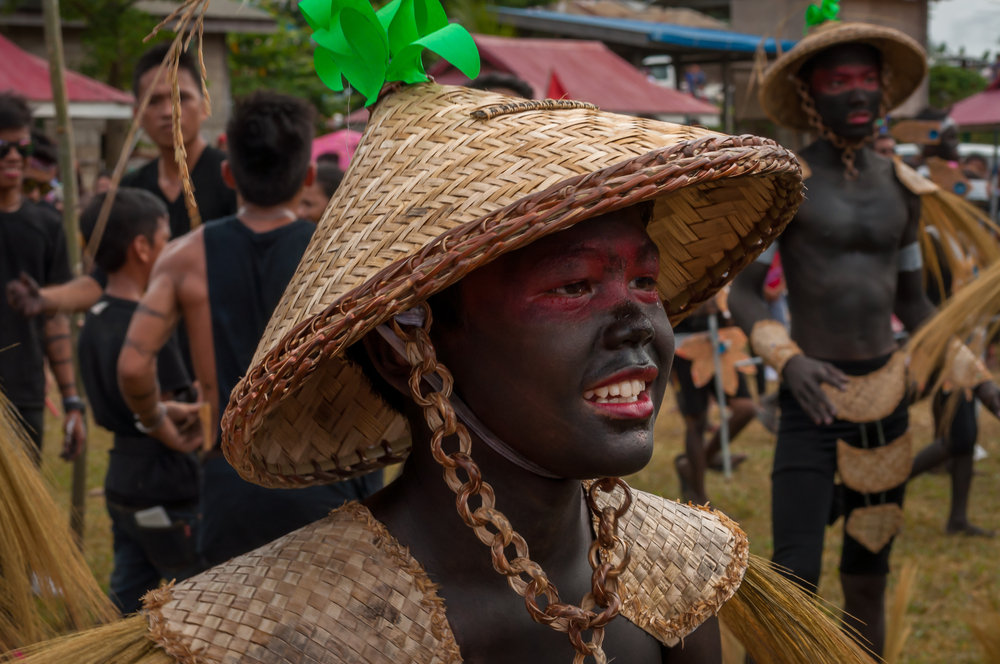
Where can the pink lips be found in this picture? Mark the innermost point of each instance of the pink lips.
(859, 117)
(639, 408)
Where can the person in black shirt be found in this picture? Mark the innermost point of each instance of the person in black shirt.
(226, 278)
(151, 487)
(161, 177)
(693, 402)
(32, 244)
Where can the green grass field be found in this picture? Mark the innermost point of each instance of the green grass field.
(953, 571)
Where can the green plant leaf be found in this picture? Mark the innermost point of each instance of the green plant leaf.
(327, 69)
(452, 42)
(828, 10)
(369, 48)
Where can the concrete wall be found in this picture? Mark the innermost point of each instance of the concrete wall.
(765, 17)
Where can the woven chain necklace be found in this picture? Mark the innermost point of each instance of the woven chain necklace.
(603, 603)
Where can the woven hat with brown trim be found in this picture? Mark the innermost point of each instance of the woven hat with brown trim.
(904, 66)
(444, 180)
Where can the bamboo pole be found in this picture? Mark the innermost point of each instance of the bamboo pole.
(67, 172)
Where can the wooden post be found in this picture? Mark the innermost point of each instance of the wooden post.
(67, 173)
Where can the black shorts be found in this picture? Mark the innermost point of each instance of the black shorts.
(693, 400)
(802, 484)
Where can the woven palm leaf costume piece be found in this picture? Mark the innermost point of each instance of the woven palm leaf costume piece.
(445, 180)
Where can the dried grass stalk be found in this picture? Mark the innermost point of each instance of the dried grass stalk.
(967, 237)
(45, 585)
(932, 348)
(779, 623)
(123, 642)
(898, 626)
(985, 626)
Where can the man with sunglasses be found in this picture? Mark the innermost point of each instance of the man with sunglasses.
(32, 243)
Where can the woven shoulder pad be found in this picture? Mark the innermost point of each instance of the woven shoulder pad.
(912, 180)
(341, 589)
(686, 562)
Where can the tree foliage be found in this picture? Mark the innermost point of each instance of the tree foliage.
(283, 61)
(950, 84)
(112, 37)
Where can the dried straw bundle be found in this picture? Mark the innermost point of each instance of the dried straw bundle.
(968, 237)
(45, 585)
(122, 642)
(985, 626)
(934, 347)
(898, 625)
(779, 623)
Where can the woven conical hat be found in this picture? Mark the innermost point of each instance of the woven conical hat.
(444, 180)
(903, 60)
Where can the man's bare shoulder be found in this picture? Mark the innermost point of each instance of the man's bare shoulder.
(184, 254)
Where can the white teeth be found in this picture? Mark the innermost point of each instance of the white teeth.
(627, 391)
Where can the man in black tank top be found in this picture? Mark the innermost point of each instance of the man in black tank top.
(225, 278)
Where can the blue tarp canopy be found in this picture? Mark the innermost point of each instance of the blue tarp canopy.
(664, 37)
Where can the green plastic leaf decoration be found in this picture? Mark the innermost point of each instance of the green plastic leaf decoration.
(828, 10)
(370, 49)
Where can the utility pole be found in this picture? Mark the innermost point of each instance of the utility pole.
(67, 171)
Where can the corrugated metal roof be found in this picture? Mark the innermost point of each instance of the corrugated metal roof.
(679, 36)
(586, 70)
(981, 110)
(28, 75)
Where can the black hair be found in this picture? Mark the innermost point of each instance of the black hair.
(105, 173)
(508, 81)
(328, 177)
(14, 112)
(153, 58)
(329, 158)
(270, 145)
(135, 212)
(45, 150)
(932, 114)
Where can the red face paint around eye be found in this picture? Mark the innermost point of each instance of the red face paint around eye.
(845, 78)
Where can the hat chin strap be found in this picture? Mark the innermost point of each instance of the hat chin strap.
(463, 411)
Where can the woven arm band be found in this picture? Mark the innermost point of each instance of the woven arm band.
(770, 340)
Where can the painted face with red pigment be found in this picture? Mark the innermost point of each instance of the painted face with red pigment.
(563, 348)
(844, 81)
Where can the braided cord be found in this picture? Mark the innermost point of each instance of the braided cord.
(848, 148)
(562, 617)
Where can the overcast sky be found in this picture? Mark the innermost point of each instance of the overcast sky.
(974, 24)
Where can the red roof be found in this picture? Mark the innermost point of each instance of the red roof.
(979, 110)
(28, 75)
(585, 70)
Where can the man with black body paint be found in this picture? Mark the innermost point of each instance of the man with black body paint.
(847, 255)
